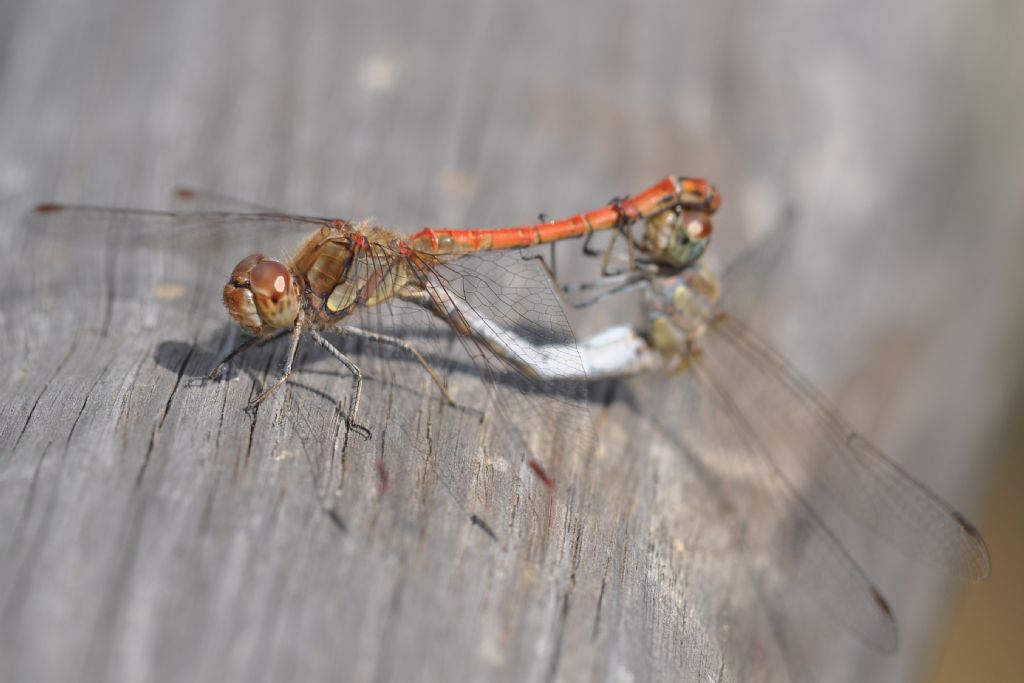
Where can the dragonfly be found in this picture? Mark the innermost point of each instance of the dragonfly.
(344, 270)
(712, 388)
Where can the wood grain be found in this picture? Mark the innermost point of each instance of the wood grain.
(151, 530)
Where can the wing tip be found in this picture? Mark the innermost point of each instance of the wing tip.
(886, 639)
(977, 564)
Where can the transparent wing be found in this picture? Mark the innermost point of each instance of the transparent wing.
(814, 448)
(194, 215)
(539, 423)
(543, 417)
(427, 455)
(189, 228)
(495, 464)
(812, 444)
(155, 258)
(748, 280)
(775, 531)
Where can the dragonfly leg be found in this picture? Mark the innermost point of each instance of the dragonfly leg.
(625, 225)
(242, 348)
(405, 346)
(553, 268)
(588, 250)
(625, 280)
(605, 271)
(357, 382)
(292, 350)
(627, 284)
(635, 269)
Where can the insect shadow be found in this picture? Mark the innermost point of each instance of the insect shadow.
(262, 363)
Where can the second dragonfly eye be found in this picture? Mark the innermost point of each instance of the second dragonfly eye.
(698, 228)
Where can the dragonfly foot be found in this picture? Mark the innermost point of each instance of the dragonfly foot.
(360, 430)
(254, 404)
(211, 376)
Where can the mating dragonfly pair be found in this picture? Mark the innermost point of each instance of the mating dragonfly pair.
(722, 389)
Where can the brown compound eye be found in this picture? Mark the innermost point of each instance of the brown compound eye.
(238, 296)
(261, 295)
(698, 227)
(274, 293)
(270, 279)
(240, 275)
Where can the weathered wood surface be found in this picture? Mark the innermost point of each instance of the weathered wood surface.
(151, 530)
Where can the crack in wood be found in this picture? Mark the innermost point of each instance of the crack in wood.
(56, 372)
(556, 654)
(163, 416)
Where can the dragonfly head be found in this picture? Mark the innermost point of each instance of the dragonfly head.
(677, 238)
(261, 295)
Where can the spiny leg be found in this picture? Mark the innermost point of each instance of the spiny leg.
(624, 279)
(292, 350)
(624, 286)
(241, 348)
(357, 382)
(634, 264)
(606, 260)
(607, 252)
(551, 272)
(553, 268)
(587, 249)
(405, 346)
(625, 225)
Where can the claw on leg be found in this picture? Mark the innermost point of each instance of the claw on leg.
(238, 350)
(292, 350)
(361, 430)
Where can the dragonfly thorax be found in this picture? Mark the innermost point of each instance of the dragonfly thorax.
(680, 308)
(262, 295)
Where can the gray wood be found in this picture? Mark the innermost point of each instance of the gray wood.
(151, 530)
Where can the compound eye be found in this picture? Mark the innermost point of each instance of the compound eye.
(270, 279)
(240, 275)
(698, 228)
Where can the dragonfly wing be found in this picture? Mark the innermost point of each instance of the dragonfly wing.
(785, 544)
(540, 428)
(543, 413)
(170, 251)
(83, 223)
(749, 278)
(815, 449)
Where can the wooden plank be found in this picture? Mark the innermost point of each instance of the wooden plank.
(151, 530)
